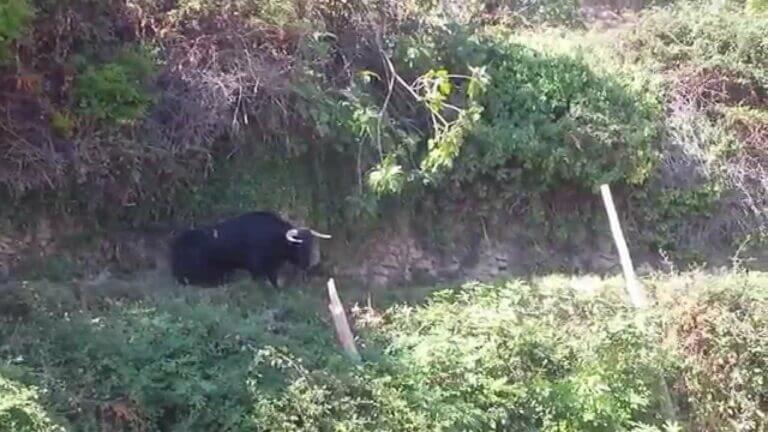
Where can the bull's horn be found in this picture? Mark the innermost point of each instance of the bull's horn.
(291, 236)
(319, 234)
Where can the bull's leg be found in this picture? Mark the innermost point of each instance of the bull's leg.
(272, 276)
(257, 274)
(255, 268)
(260, 268)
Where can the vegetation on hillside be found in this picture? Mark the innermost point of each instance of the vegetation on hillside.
(116, 113)
(121, 113)
(553, 354)
(714, 68)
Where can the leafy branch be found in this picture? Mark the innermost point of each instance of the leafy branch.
(449, 123)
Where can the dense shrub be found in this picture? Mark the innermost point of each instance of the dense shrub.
(545, 120)
(116, 91)
(475, 358)
(175, 364)
(497, 358)
(562, 123)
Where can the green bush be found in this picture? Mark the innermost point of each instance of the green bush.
(202, 363)
(20, 408)
(14, 16)
(179, 364)
(561, 123)
(547, 119)
(115, 92)
(497, 358)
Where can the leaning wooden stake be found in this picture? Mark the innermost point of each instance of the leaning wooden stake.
(343, 331)
(635, 289)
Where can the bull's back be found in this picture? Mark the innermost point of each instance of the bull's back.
(252, 230)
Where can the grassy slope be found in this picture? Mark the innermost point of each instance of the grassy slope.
(513, 356)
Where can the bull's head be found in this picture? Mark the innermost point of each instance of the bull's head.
(301, 243)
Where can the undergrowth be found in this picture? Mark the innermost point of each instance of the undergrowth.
(554, 354)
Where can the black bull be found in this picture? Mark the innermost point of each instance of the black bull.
(259, 242)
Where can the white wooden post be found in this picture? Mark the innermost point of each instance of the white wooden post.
(635, 289)
(343, 331)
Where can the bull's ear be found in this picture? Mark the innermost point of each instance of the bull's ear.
(292, 235)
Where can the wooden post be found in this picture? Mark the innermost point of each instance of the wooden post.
(343, 331)
(635, 289)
